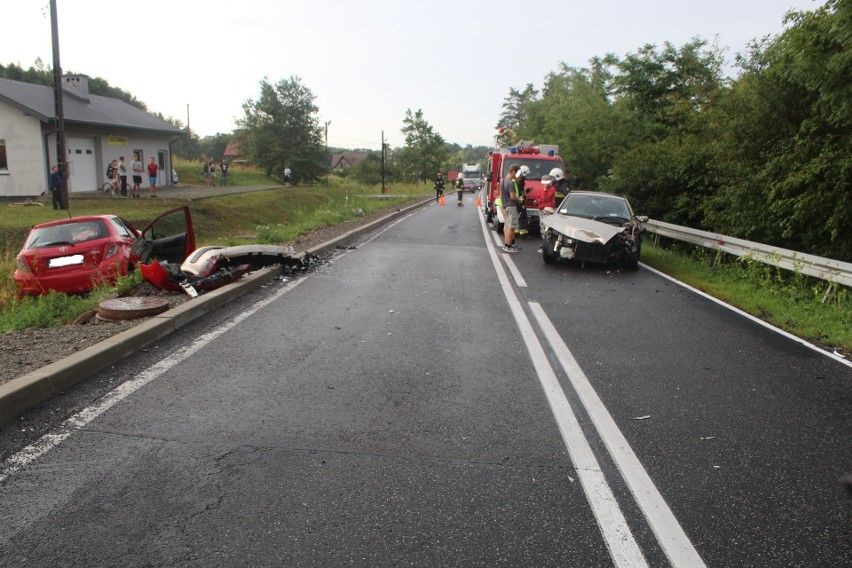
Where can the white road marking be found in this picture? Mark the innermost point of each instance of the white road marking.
(676, 545)
(52, 439)
(736, 310)
(516, 274)
(622, 546)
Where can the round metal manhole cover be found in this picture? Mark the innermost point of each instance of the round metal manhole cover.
(131, 307)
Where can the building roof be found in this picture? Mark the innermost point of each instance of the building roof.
(346, 159)
(232, 150)
(38, 101)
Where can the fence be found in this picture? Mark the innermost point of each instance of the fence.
(834, 271)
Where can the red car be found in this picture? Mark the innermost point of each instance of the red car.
(73, 255)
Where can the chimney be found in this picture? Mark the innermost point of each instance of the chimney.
(77, 85)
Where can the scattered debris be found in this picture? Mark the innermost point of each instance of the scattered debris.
(641, 417)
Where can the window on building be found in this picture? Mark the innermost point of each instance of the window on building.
(4, 164)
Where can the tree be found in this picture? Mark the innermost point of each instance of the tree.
(514, 115)
(790, 137)
(424, 150)
(280, 129)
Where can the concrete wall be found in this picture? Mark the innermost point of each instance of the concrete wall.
(27, 173)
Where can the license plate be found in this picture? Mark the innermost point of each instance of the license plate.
(532, 212)
(65, 261)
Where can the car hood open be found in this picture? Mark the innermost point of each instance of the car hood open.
(582, 229)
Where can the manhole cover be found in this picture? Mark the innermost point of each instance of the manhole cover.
(131, 307)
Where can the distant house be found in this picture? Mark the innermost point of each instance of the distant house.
(340, 162)
(232, 153)
(97, 131)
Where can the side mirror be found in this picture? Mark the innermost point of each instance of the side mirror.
(489, 178)
(642, 218)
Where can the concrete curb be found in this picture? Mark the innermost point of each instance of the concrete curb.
(23, 393)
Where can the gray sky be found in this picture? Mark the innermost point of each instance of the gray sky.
(366, 62)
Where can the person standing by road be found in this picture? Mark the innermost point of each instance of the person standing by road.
(152, 177)
(223, 168)
(509, 203)
(439, 186)
(54, 184)
(136, 168)
(287, 175)
(122, 175)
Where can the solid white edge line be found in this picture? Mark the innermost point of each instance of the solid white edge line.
(78, 421)
(620, 543)
(671, 536)
(738, 311)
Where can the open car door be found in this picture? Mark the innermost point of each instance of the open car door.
(169, 237)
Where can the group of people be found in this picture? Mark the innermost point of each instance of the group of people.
(513, 198)
(209, 172)
(439, 188)
(117, 175)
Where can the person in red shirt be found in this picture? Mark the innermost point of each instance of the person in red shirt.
(152, 177)
(547, 195)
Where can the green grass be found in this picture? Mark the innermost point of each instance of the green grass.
(791, 301)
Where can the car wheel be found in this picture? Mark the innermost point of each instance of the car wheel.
(547, 252)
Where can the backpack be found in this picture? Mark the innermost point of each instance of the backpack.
(110, 173)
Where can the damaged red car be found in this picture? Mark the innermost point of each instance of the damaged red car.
(74, 255)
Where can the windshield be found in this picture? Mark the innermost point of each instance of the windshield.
(538, 167)
(595, 206)
(67, 233)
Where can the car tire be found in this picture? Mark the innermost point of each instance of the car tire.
(547, 253)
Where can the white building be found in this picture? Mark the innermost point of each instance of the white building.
(97, 131)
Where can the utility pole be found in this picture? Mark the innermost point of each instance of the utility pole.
(328, 167)
(61, 155)
(383, 161)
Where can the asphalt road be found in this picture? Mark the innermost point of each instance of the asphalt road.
(425, 400)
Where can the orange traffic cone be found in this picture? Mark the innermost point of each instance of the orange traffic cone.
(478, 203)
(441, 200)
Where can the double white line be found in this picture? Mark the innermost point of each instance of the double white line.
(622, 546)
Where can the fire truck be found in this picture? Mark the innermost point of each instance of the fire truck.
(540, 159)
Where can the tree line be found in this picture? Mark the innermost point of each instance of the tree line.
(766, 156)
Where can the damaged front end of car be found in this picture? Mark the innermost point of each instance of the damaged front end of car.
(212, 267)
(588, 240)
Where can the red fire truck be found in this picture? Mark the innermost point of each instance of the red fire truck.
(540, 159)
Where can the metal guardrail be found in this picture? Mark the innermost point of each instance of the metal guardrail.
(834, 271)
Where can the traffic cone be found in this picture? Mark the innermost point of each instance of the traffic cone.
(478, 203)
(441, 200)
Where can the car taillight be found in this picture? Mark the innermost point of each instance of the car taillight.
(22, 264)
(111, 250)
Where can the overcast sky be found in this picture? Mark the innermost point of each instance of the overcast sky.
(366, 62)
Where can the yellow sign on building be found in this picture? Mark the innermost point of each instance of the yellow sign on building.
(116, 140)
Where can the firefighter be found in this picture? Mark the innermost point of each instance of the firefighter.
(523, 220)
(459, 189)
(560, 184)
(439, 187)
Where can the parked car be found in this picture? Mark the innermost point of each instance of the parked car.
(593, 227)
(73, 255)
